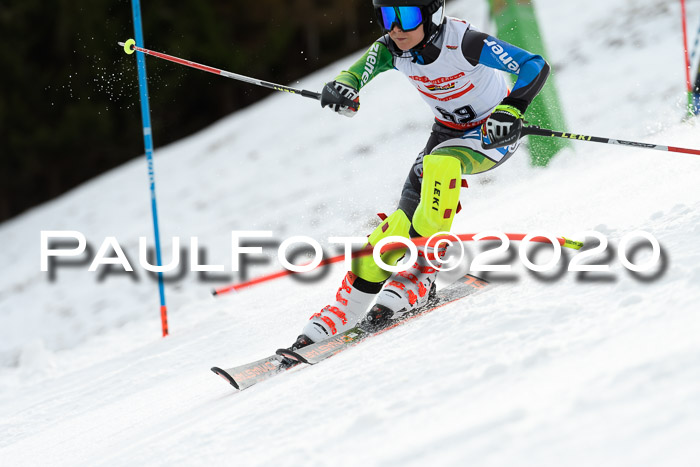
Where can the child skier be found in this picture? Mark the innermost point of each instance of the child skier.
(477, 127)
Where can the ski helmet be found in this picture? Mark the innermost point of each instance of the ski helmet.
(432, 14)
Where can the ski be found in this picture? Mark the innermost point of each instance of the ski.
(315, 353)
(245, 376)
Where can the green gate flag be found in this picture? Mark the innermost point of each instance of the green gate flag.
(517, 24)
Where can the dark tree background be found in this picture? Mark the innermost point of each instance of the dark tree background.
(69, 100)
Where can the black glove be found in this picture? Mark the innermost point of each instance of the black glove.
(340, 98)
(502, 128)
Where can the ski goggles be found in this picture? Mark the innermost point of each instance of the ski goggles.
(407, 18)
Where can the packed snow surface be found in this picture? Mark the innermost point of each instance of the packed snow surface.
(555, 368)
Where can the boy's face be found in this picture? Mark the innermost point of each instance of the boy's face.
(406, 40)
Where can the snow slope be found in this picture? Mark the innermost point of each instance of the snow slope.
(549, 369)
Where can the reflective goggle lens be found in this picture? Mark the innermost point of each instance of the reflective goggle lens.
(407, 17)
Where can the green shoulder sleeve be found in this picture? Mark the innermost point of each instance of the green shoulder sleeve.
(376, 60)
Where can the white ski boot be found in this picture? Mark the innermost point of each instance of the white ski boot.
(407, 291)
(349, 306)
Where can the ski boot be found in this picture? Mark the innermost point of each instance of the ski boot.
(407, 291)
(343, 314)
(349, 306)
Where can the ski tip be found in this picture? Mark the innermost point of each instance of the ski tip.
(128, 46)
(214, 293)
(225, 376)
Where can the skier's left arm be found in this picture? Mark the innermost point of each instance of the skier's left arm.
(505, 122)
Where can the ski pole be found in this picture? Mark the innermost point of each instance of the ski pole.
(696, 93)
(537, 131)
(130, 47)
(696, 46)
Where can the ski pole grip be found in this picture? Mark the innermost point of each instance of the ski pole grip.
(311, 94)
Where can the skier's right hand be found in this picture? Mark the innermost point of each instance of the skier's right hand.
(340, 98)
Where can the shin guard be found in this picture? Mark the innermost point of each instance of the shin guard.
(442, 180)
(364, 267)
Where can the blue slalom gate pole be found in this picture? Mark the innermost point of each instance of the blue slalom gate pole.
(148, 145)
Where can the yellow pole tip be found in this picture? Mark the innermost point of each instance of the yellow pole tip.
(573, 244)
(129, 46)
